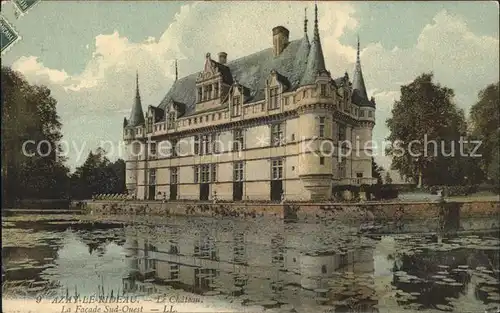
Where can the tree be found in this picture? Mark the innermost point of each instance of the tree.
(98, 175)
(377, 171)
(425, 123)
(29, 114)
(388, 179)
(485, 124)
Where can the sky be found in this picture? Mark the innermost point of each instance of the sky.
(87, 52)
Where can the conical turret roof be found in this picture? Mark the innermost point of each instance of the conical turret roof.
(315, 60)
(137, 115)
(359, 94)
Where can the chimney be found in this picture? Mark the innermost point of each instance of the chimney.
(280, 39)
(222, 57)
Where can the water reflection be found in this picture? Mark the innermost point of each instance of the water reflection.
(325, 266)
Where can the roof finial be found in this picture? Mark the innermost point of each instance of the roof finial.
(316, 31)
(305, 20)
(137, 82)
(357, 55)
(176, 73)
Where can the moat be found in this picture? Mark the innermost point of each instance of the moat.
(207, 264)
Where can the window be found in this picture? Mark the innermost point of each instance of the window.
(173, 143)
(238, 171)
(236, 105)
(150, 124)
(174, 175)
(200, 94)
(323, 269)
(215, 142)
(171, 120)
(370, 114)
(173, 250)
(322, 126)
(152, 176)
(359, 175)
(196, 174)
(152, 149)
(285, 100)
(174, 271)
(205, 145)
(216, 90)
(277, 169)
(205, 173)
(322, 161)
(214, 173)
(277, 137)
(238, 139)
(342, 133)
(196, 144)
(342, 167)
(273, 98)
(362, 113)
(207, 92)
(322, 90)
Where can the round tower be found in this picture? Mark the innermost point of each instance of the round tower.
(132, 152)
(366, 120)
(315, 110)
(133, 130)
(316, 148)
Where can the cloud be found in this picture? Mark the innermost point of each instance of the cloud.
(34, 69)
(92, 103)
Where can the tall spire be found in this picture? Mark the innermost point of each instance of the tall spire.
(357, 54)
(316, 31)
(136, 116)
(305, 21)
(176, 74)
(315, 60)
(359, 94)
(137, 85)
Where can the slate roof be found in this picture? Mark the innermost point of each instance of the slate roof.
(137, 115)
(250, 71)
(315, 60)
(359, 94)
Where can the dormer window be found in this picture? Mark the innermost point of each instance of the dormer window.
(207, 94)
(216, 90)
(171, 120)
(200, 94)
(322, 90)
(273, 98)
(150, 124)
(236, 105)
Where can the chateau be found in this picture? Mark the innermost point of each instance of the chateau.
(271, 125)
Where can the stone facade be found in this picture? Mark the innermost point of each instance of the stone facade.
(268, 126)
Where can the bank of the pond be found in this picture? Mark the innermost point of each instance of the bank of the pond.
(301, 211)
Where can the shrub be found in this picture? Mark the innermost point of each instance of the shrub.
(384, 192)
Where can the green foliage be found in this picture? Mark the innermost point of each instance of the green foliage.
(29, 113)
(383, 192)
(388, 178)
(377, 171)
(450, 191)
(98, 175)
(426, 109)
(485, 121)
